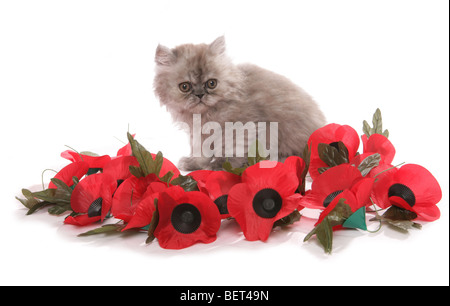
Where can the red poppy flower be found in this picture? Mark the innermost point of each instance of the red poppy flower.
(66, 174)
(331, 134)
(94, 162)
(412, 187)
(266, 194)
(92, 198)
(297, 165)
(130, 193)
(200, 176)
(119, 168)
(126, 149)
(143, 212)
(218, 185)
(186, 218)
(333, 182)
(350, 199)
(378, 143)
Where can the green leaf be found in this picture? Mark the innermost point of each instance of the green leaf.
(377, 128)
(368, 163)
(147, 164)
(143, 156)
(108, 228)
(324, 230)
(399, 214)
(153, 224)
(357, 220)
(54, 196)
(59, 209)
(30, 201)
(333, 156)
(186, 182)
(289, 219)
(324, 233)
(229, 168)
(136, 171)
(167, 177)
(399, 218)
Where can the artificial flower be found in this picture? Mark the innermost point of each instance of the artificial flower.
(333, 182)
(297, 165)
(331, 134)
(143, 211)
(217, 186)
(130, 193)
(91, 199)
(66, 174)
(119, 168)
(375, 144)
(200, 176)
(94, 162)
(410, 187)
(349, 198)
(266, 194)
(186, 218)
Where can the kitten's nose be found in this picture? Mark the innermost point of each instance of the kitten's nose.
(200, 96)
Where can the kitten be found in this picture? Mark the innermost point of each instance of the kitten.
(201, 79)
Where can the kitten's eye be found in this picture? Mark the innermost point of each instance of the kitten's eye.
(185, 86)
(212, 83)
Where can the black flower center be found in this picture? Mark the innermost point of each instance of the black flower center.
(95, 209)
(267, 203)
(331, 197)
(404, 192)
(335, 145)
(221, 203)
(186, 218)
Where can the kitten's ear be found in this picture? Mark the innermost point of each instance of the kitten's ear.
(164, 56)
(218, 46)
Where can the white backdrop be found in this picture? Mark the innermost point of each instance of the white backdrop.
(79, 73)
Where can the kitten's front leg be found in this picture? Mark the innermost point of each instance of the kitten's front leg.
(189, 163)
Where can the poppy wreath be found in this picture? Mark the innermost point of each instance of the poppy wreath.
(137, 191)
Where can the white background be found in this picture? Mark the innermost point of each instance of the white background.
(79, 73)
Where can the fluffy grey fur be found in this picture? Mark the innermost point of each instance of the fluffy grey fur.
(243, 93)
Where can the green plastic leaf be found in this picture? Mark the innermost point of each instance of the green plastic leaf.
(229, 168)
(377, 128)
(186, 182)
(153, 224)
(333, 156)
(399, 218)
(30, 201)
(108, 228)
(357, 220)
(324, 230)
(59, 209)
(324, 234)
(368, 163)
(143, 156)
(289, 219)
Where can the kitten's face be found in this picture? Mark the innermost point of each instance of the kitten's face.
(194, 78)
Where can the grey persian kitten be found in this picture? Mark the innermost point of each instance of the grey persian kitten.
(200, 79)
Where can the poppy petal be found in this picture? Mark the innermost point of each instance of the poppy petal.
(66, 174)
(81, 220)
(378, 143)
